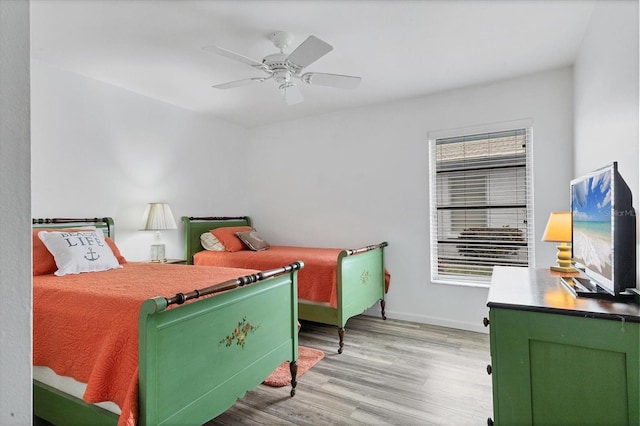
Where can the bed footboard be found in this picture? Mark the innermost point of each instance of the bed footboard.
(215, 350)
(360, 284)
(197, 359)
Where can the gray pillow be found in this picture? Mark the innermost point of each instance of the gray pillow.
(253, 240)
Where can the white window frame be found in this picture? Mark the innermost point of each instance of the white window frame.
(526, 124)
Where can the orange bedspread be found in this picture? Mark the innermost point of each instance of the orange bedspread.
(316, 282)
(86, 326)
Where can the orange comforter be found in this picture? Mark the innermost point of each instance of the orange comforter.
(316, 281)
(86, 326)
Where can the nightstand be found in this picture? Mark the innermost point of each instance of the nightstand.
(172, 262)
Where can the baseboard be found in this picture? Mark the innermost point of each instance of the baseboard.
(424, 319)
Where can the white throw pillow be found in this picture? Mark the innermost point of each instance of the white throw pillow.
(79, 251)
(210, 242)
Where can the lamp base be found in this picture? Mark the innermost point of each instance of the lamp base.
(158, 253)
(567, 270)
(564, 259)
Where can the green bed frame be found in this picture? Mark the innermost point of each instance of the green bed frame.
(360, 275)
(191, 367)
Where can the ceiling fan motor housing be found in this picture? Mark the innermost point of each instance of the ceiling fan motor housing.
(280, 68)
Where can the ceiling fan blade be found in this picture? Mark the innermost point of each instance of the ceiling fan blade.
(233, 55)
(309, 51)
(291, 94)
(332, 80)
(238, 83)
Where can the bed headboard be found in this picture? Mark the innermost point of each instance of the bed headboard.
(195, 226)
(105, 224)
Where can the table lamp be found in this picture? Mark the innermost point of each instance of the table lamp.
(559, 231)
(158, 217)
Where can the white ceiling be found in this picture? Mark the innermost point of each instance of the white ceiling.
(401, 49)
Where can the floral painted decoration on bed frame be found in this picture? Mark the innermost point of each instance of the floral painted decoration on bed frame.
(240, 333)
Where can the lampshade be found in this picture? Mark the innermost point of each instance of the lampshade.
(558, 228)
(157, 217)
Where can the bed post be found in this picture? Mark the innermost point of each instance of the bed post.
(293, 367)
(341, 339)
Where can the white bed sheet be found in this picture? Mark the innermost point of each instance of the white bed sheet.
(68, 385)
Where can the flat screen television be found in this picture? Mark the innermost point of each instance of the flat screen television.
(604, 230)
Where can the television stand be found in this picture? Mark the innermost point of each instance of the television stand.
(545, 344)
(584, 287)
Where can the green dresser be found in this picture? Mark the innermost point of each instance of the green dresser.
(557, 359)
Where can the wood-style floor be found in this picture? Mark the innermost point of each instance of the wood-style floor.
(390, 373)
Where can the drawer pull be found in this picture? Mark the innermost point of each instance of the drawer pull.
(488, 368)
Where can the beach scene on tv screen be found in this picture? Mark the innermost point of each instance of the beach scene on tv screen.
(592, 223)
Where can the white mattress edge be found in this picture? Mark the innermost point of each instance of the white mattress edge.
(69, 385)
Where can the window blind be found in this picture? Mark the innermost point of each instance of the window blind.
(480, 204)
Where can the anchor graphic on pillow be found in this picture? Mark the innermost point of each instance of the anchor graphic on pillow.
(93, 255)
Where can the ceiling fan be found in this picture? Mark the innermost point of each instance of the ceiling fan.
(285, 69)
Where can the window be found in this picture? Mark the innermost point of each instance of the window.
(481, 206)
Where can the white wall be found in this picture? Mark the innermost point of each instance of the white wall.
(361, 176)
(98, 150)
(606, 94)
(15, 239)
(344, 180)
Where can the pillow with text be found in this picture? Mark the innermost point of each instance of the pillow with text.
(79, 251)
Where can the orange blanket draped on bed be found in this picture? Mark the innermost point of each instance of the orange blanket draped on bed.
(316, 282)
(86, 326)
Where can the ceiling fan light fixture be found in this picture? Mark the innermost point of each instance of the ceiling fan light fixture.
(282, 77)
(291, 93)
